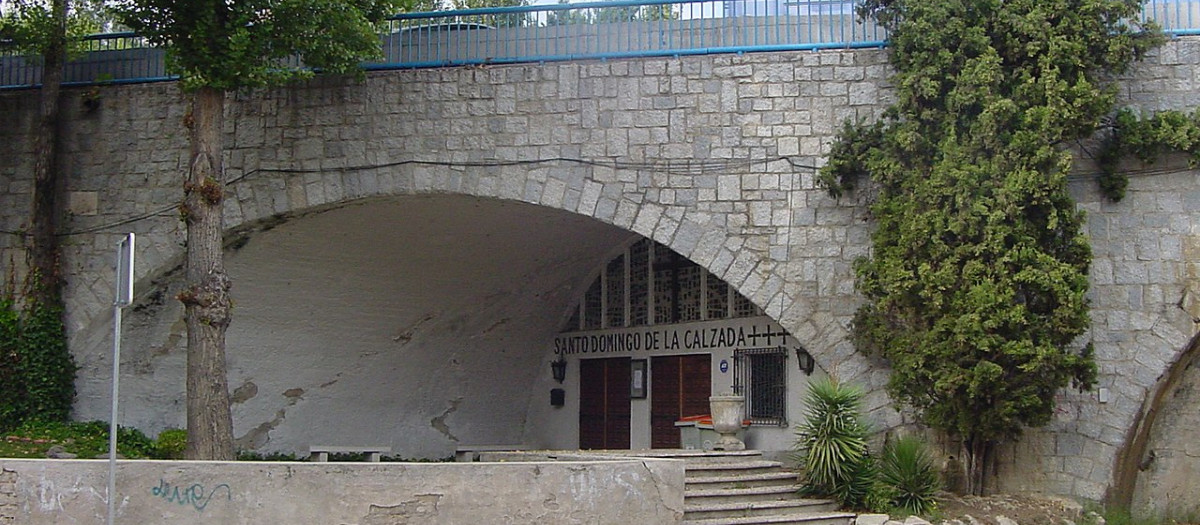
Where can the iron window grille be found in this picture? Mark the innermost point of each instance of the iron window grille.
(760, 376)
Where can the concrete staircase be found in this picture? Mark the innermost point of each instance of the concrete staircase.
(741, 488)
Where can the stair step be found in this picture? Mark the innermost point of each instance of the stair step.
(722, 468)
(770, 490)
(737, 509)
(741, 480)
(806, 518)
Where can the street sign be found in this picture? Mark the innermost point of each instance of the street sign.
(124, 272)
(123, 298)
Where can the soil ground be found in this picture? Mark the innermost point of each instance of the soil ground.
(1022, 509)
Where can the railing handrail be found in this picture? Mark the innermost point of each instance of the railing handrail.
(475, 11)
(540, 33)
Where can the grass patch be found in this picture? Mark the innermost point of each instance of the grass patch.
(84, 439)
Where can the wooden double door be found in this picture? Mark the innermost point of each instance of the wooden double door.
(604, 411)
(679, 387)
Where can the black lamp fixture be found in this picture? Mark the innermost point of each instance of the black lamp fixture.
(558, 367)
(805, 361)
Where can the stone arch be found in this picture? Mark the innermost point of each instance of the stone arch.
(1155, 468)
(725, 199)
(748, 260)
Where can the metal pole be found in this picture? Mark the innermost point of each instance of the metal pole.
(112, 425)
(124, 296)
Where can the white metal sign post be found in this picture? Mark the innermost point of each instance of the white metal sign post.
(124, 297)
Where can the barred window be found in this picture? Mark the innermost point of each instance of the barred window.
(652, 284)
(593, 302)
(615, 298)
(760, 376)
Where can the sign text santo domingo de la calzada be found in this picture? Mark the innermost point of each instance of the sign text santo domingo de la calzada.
(699, 336)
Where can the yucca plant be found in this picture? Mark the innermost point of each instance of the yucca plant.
(831, 444)
(907, 467)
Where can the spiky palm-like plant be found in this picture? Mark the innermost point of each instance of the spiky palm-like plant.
(907, 467)
(831, 444)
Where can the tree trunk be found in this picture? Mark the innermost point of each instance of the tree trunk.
(979, 459)
(43, 245)
(206, 298)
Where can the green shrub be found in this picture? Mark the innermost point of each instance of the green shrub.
(11, 384)
(170, 443)
(84, 439)
(45, 364)
(37, 373)
(831, 446)
(907, 468)
(250, 455)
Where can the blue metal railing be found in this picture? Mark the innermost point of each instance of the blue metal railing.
(540, 33)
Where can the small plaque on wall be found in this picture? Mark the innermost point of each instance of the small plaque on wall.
(637, 375)
(558, 397)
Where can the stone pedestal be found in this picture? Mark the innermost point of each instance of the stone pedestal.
(727, 412)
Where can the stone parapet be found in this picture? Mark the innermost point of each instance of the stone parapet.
(37, 492)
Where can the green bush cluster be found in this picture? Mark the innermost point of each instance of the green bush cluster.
(37, 373)
(170, 443)
(250, 455)
(832, 449)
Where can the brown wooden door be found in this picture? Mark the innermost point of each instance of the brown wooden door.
(604, 403)
(679, 387)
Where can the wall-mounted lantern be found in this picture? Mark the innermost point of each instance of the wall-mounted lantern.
(558, 367)
(805, 361)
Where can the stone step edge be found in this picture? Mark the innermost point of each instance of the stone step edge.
(797, 503)
(782, 518)
(752, 476)
(732, 465)
(747, 491)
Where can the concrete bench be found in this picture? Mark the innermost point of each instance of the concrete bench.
(468, 453)
(322, 452)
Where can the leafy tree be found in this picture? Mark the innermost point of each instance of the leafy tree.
(217, 46)
(499, 20)
(604, 15)
(975, 287)
(568, 16)
(636, 13)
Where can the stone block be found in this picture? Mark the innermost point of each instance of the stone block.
(83, 203)
(871, 519)
(788, 146)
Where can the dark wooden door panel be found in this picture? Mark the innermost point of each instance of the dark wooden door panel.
(679, 387)
(604, 403)
(664, 401)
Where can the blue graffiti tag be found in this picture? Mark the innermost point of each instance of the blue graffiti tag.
(195, 495)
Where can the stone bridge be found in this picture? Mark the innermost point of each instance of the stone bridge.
(404, 248)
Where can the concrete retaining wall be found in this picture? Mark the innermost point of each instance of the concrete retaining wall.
(73, 491)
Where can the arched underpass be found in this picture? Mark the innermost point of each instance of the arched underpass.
(413, 321)
(427, 322)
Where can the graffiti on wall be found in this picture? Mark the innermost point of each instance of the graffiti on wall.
(195, 495)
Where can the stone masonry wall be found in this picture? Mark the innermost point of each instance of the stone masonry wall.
(606, 492)
(713, 156)
(8, 496)
(1146, 254)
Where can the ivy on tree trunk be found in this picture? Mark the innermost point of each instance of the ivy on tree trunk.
(43, 250)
